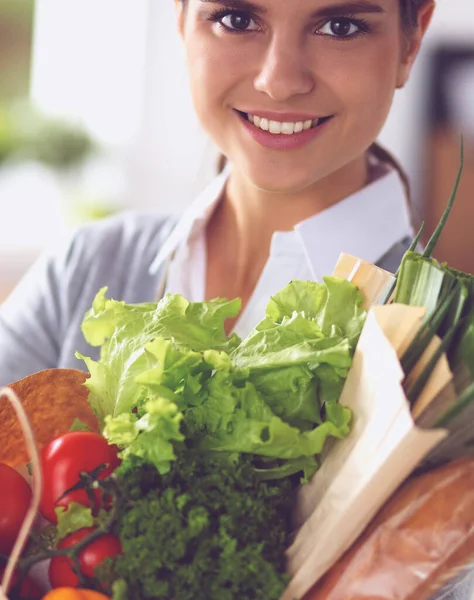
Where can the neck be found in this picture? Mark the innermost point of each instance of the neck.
(240, 231)
(258, 213)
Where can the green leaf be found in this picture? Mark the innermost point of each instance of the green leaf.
(419, 283)
(463, 353)
(296, 341)
(216, 407)
(306, 465)
(426, 333)
(74, 517)
(120, 590)
(79, 425)
(431, 245)
(306, 297)
(121, 430)
(343, 310)
(132, 338)
(168, 371)
(465, 399)
(152, 437)
(332, 305)
(275, 438)
(292, 393)
(387, 295)
(198, 325)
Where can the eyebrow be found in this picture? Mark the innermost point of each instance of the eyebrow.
(343, 8)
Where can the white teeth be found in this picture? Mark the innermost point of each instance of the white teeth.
(288, 128)
(275, 127)
(285, 128)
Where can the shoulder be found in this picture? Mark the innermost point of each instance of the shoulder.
(125, 234)
(115, 252)
(121, 232)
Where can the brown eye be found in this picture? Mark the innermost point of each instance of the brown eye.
(237, 21)
(340, 28)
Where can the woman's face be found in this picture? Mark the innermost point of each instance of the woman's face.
(288, 65)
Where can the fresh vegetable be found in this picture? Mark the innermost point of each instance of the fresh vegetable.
(61, 573)
(215, 434)
(62, 461)
(200, 531)
(29, 590)
(65, 593)
(208, 529)
(448, 296)
(74, 517)
(15, 500)
(167, 370)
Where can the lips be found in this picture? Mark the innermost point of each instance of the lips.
(282, 116)
(283, 123)
(282, 135)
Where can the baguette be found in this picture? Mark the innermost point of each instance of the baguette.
(420, 539)
(52, 399)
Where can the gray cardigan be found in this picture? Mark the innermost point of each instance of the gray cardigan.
(40, 322)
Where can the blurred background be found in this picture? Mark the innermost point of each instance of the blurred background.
(95, 118)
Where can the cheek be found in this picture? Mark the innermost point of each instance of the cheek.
(214, 74)
(367, 84)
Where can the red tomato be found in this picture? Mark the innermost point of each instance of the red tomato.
(63, 459)
(28, 589)
(61, 573)
(15, 500)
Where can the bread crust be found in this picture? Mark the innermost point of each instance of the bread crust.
(419, 540)
(52, 399)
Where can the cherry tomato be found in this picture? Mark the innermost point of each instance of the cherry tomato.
(15, 500)
(28, 589)
(61, 573)
(63, 459)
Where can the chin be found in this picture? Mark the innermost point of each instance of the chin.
(281, 179)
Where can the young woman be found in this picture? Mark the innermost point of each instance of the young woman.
(295, 94)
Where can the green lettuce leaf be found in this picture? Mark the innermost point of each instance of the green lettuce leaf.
(335, 305)
(130, 348)
(168, 375)
(275, 438)
(151, 437)
(292, 393)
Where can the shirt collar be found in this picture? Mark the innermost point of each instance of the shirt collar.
(193, 219)
(366, 225)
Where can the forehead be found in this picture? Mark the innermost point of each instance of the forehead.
(305, 6)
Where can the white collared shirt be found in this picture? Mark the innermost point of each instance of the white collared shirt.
(366, 224)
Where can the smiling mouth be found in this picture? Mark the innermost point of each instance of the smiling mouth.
(283, 128)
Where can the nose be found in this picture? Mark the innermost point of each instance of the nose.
(285, 71)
